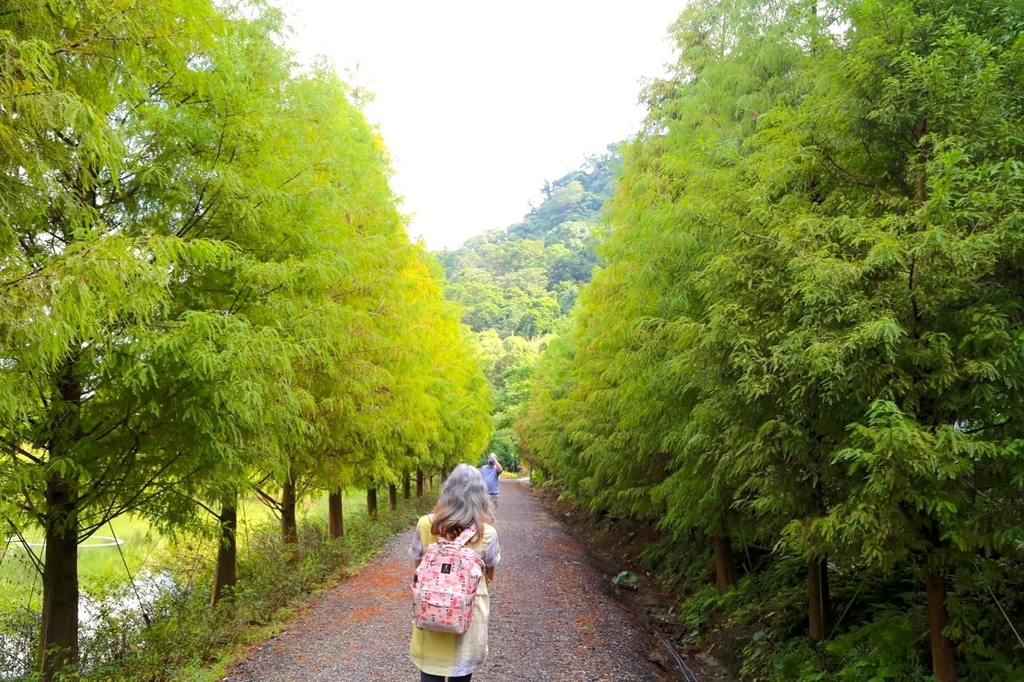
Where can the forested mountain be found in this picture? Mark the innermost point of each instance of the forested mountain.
(519, 281)
(802, 363)
(517, 284)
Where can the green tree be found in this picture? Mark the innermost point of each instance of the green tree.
(919, 180)
(120, 381)
(807, 305)
(508, 364)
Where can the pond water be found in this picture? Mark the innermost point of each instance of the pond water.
(115, 577)
(124, 549)
(119, 577)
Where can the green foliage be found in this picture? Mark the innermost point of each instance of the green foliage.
(19, 633)
(576, 196)
(806, 332)
(516, 286)
(508, 365)
(205, 282)
(184, 635)
(519, 281)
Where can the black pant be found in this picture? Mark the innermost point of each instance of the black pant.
(427, 677)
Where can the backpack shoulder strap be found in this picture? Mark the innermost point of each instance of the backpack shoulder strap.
(465, 536)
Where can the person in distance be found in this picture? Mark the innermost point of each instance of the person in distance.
(491, 471)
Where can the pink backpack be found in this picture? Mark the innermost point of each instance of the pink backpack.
(445, 583)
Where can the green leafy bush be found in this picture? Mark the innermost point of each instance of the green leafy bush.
(19, 632)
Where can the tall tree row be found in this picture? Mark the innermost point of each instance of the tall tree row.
(807, 336)
(205, 285)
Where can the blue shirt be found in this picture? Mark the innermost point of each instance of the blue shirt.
(490, 473)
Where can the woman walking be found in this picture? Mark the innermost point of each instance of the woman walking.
(463, 504)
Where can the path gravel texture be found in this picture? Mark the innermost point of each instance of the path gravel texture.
(553, 616)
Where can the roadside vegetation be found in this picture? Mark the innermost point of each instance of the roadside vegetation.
(778, 334)
(206, 294)
(158, 623)
(800, 361)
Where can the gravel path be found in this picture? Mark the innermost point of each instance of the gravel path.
(553, 617)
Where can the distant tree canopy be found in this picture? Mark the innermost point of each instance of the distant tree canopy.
(517, 285)
(520, 280)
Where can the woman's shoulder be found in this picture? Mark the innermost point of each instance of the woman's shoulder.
(489, 533)
(423, 527)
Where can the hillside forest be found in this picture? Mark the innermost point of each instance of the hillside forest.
(516, 286)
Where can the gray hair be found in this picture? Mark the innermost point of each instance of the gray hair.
(463, 503)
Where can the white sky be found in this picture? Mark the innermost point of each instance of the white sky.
(480, 102)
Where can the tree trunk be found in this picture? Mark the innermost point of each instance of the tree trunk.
(405, 485)
(58, 634)
(943, 656)
(289, 525)
(419, 483)
(725, 563)
(335, 515)
(371, 503)
(58, 640)
(226, 576)
(392, 497)
(820, 613)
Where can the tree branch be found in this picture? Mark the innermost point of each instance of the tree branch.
(267, 499)
(16, 450)
(36, 562)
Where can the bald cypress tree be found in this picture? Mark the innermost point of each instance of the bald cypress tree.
(809, 306)
(119, 381)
